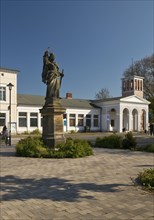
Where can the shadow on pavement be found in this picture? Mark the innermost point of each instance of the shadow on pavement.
(145, 165)
(56, 189)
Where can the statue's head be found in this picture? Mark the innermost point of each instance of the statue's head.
(52, 56)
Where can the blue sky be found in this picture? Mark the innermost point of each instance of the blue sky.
(93, 41)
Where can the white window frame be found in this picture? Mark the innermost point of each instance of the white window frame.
(2, 93)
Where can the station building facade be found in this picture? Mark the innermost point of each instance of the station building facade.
(129, 111)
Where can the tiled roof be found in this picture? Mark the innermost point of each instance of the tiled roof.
(77, 103)
(108, 99)
(34, 100)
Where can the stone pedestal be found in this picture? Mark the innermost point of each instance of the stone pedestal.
(52, 113)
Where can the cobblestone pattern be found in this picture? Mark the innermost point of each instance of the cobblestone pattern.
(98, 187)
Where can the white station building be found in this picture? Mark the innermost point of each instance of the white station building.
(130, 111)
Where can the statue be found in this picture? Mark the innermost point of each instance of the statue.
(51, 75)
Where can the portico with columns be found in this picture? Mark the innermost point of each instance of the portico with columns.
(128, 113)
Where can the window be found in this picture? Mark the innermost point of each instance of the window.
(64, 116)
(2, 93)
(112, 123)
(64, 119)
(72, 119)
(2, 119)
(95, 120)
(80, 120)
(33, 119)
(22, 119)
(88, 120)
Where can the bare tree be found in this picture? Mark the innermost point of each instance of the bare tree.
(144, 68)
(103, 94)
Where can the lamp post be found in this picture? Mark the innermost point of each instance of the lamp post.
(10, 85)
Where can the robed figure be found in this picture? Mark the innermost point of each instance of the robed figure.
(51, 75)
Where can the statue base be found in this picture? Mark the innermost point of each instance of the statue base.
(52, 113)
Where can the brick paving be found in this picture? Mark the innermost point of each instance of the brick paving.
(98, 187)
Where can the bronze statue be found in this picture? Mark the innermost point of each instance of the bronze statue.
(51, 75)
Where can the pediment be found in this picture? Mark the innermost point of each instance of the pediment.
(134, 99)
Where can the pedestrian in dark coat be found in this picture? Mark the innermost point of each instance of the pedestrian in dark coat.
(151, 129)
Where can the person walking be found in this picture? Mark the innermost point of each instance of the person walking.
(5, 135)
(151, 129)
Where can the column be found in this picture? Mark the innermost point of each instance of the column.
(147, 119)
(76, 122)
(138, 121)
(39, 121)
(28, 121)
(119, 118)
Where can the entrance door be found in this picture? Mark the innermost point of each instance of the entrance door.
(125, 125)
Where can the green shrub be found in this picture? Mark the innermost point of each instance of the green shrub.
(149, 148)
(73, 149)
(146, 178)
(72, 132)
(35, 132)
(34, 147)
(129, 141)
(25, 133)
(31, 147)
(112, 141)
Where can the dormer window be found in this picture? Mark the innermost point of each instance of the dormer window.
(2, 93)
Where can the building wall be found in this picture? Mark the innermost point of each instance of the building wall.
(28, 110)
(110, 115)
(117, 115)
(113, 115)
(84, 112)
(6, 77)
(133, 121)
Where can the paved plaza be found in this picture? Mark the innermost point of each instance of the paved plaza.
(96, 187)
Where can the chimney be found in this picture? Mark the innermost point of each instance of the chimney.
(68, 95)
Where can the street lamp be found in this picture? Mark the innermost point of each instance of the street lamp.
(10, 85)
